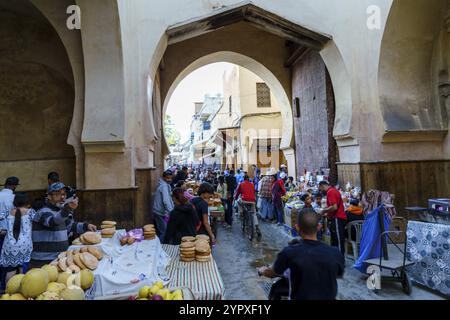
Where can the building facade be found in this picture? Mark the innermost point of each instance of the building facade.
(89, 101)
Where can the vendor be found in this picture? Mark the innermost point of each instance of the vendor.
(52, 225)
(200, 203)
(335, 214)
(183, 219)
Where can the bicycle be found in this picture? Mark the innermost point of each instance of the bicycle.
(248, 221)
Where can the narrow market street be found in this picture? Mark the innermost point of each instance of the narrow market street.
(237, 260)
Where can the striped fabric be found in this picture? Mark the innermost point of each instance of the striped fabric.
(203, 278)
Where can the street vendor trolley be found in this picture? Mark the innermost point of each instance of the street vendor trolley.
(393, 258)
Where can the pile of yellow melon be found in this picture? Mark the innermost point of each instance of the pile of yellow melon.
(47, 284)
(158, 292)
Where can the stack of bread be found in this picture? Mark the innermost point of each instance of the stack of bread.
(202, 251)
(88, 238)
(202, 248)
(108, 229)
(202, 237)
(187, 249)
(149, 232)
(79, 259)
(195, 249)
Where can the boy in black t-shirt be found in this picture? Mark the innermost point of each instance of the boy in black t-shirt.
(200, 203)
(314, 266)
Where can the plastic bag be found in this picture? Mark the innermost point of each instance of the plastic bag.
(138, 234)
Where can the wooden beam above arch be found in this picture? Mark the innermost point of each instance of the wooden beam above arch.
(252, 14)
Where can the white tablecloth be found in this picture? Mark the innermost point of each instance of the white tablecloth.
(124, 269)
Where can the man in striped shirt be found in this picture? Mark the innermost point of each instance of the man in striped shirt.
(52, 225)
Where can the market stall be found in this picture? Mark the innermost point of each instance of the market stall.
(125, 268)
(203, 278)
(429, 247)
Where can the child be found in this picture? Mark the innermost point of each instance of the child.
(314, 206)
(18, 245)
(354, 212)
(317, 204)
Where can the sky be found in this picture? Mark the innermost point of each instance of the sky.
(193, 88)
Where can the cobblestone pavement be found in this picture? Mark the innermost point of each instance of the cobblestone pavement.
(238, 259)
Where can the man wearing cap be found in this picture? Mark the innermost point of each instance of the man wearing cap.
(283, 171)
(162, 203)
(6, 204)
(52, 225)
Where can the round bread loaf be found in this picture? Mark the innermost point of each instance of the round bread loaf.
(95, 252)
(109, 223)
(90, 238)
(89, 260)
(78, 262)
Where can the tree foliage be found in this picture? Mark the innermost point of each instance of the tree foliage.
(172, 135)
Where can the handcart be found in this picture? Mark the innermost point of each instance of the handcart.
(392, 258)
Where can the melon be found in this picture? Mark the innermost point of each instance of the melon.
(72, 294)
(34, 283)
(87, 279)
(13, 285)
(55, 287)
(63, 277)
(49, 295)
(52, 272)
(17, 296)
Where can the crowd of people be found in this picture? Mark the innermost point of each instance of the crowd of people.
(234, 187)
(312, 266)
(33, 232)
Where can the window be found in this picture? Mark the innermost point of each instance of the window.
(262, 95)
(297, 107)
(230, 108)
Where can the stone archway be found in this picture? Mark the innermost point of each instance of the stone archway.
(261, 71)
(236, 29)
(37, 95)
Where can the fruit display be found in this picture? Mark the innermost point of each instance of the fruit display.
(215, 202)
(158, 292)
(149, 232)
(77, 260)
(89, 238)
(46, 284)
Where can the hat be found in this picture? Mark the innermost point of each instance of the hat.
(271, 172)
(55, 187)
(283, 166)
(12, 181)
(167, 173)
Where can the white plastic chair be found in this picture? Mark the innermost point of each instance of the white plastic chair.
(357, 226)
